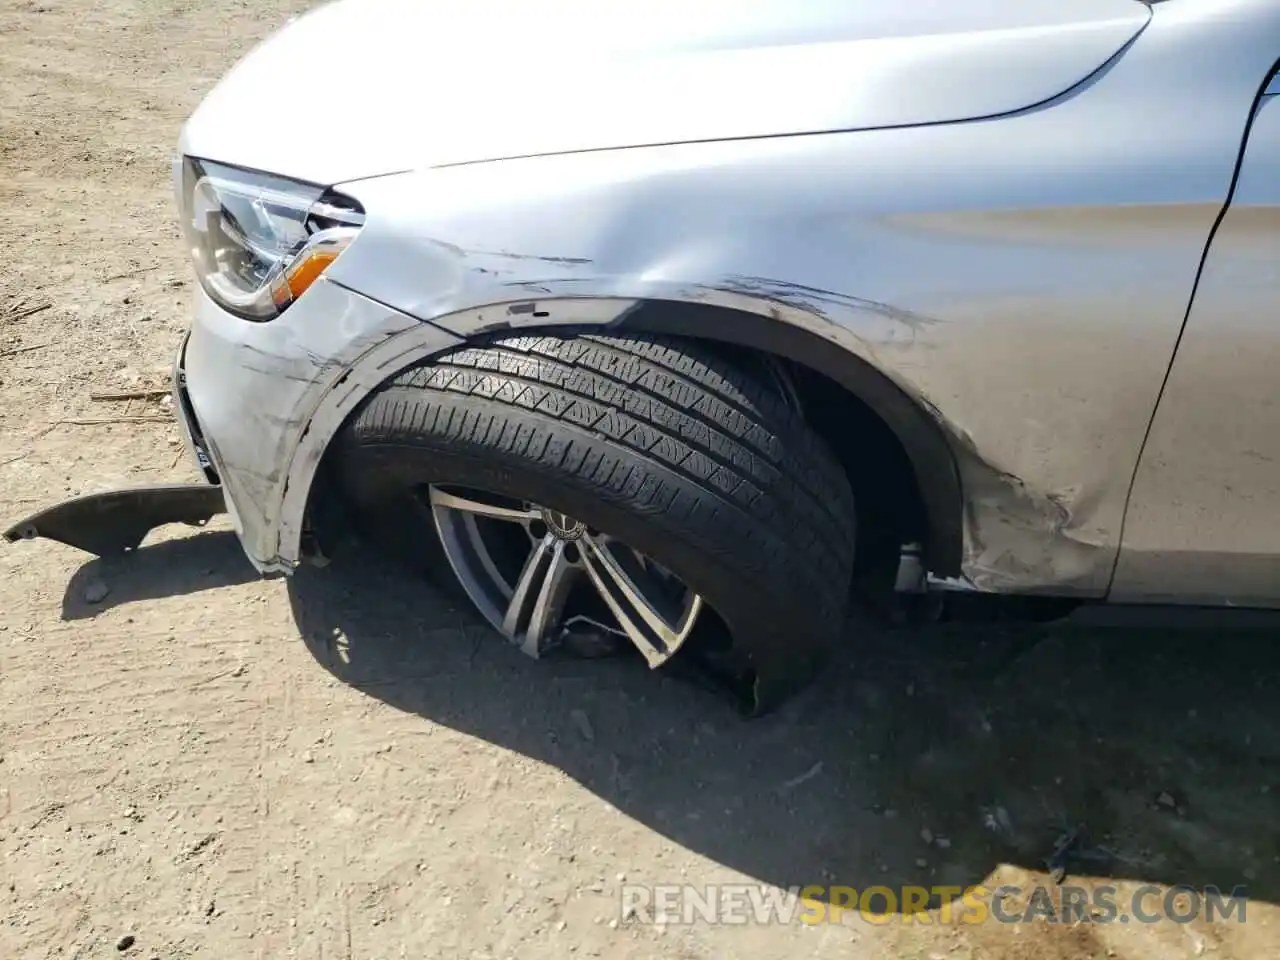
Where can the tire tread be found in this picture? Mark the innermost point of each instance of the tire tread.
(737, 469)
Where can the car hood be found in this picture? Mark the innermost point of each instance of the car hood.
(361, 88)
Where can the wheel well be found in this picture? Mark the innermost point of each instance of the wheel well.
(890, 508)
(894, 452)
(911, 491)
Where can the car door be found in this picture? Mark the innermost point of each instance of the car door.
(1203, 523)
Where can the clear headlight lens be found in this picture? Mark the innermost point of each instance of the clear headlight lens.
(258, 241)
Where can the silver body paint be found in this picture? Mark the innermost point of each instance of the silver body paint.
(1204, 518)
(1002, 207)
(424, 84)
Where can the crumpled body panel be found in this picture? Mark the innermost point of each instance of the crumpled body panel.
(1022, 279)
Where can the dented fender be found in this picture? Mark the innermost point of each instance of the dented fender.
(1007, 532)
(1027, 318)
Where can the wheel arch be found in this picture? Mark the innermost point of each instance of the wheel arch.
(921, 438)
(914, 428)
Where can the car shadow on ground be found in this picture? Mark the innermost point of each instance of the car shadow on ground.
(204, 561)
(922, 756)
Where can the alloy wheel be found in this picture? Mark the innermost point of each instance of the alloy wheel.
(536, 573)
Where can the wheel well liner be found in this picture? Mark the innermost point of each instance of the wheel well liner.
(923, 441)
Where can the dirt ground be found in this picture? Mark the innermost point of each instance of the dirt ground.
(342, 766)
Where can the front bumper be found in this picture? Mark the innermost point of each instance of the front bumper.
(192, 437)
(246, 394)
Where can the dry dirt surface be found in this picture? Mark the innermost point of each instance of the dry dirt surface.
(194, 762)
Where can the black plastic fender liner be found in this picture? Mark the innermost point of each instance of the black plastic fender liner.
(932, 459)
(117, 521)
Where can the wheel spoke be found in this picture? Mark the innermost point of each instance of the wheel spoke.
(652, 608)
(654, 623)
(538, 599)
(441, 499)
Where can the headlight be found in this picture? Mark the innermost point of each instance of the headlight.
(259, 241)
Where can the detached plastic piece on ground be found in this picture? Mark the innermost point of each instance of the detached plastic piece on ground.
(117, 521)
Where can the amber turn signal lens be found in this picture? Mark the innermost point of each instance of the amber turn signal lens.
(308, 269)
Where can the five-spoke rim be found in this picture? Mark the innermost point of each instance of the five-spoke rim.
(531, 571)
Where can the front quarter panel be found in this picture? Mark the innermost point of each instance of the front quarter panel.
(1023, 278)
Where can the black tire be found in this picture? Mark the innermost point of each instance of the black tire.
(688, 453)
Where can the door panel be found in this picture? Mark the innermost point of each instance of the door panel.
(1204, 517)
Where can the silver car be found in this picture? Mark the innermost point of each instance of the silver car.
(665, 324)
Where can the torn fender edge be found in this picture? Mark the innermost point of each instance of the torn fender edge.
(117, 521)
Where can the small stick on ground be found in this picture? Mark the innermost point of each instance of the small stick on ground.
(131, 273)
(27, 312)
(109, 395)
(17, 350)
(95, 421)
